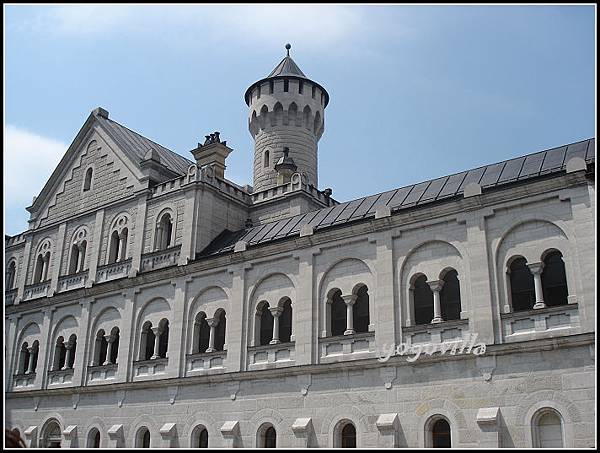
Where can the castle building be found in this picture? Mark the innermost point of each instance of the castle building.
(154, 303)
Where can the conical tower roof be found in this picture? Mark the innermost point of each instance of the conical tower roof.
(287, 68)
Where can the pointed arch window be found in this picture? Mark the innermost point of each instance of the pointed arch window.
(10, 275)
(163, 237)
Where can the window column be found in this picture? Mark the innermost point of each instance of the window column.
(68, 347)
(80, 258)
(29, 369)
(159, 237)
(350, 300)
(212, 323)
(436, 287)
(536, 269)
(157, 331)
(110, 340)
(276, 312)
(45, 261)
(121, 252)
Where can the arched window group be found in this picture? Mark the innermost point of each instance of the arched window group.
(273, 325)
(106, 347)
(28, 358)
(64, 353)
(11, 273)
(437, 300)
(348, 314)
(538, 285)
(78, 251)
(163, 238)
(209, 333)
(42, 263)
(118, 246)
(154, 341)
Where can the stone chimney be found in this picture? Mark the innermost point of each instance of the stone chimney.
(212, 152)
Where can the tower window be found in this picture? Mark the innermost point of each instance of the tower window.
(258, 92)
(301, 87)
(286, 85)
(314, 91)
(266, 159)
(271, 86)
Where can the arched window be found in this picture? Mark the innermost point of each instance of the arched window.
(200, 437)
(60, 353)
(220, 330)
(73, 261)
(422, 300)
(87, 184)
(113, 253)
(114, 350)
(450, 296)
(554, 280)
(52, 435)
(266, 159)
(10, 275)
(360, 311)
(101, 348)
(72, 345)
(348, 436)
(94, 439)
(266, 323)
(267, 437)
(123, 244)
(522, 288)
(547, 429)
(440, 434)
(293, 114)
(201, 334)
(163, 343)
(24, 358)
(338, 314)
(285, 322)
(306, 117)
(147, 342)
(164, 232)
(39, 269)
(142, 439)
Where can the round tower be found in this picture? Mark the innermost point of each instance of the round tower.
(286, 111)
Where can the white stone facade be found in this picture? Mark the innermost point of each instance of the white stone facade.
(114, 345)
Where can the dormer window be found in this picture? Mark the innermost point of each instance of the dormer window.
(87, 183)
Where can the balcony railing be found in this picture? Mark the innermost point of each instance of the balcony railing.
(10, 296)
(206, 363)
(113, 271)
(23, 380)
(74, 281)
(347, 347)
(540, 323)
(37, 290)
(60, 377)
(160, 259)
(271, 356)
(442, 332)
(102, 373)
(150, 367)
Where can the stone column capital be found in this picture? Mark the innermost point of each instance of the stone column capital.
(276, 311)
(110, 338)
(350, 299)
(156, 330)
(436, 285)
(536, 268)
(212, 322)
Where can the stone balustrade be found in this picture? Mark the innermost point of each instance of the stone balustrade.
(22, 381)
(347, 347)
(442, 332)
(113, 271)
(102, 374)
(206, 363)
(10, 296)
(271, 356)
(160, 259)
(541, 323)
(37, 290)
(58, 377)
(74, 281)
(144, 368)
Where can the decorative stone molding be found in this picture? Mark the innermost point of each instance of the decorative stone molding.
(488, 419)
(387, 424)
(172, 393)
(75, 400)
(486, 366)
(231, 434)
(70, 435)
(31, 438)
(168, 434)
(388, 375)
(120, 397)
(240, 246)
(304, 432)
(576, 164)
(116, 438)
(307, 230)
(472, 189)
(383, 211)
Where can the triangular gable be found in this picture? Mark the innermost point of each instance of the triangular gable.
(114, 175)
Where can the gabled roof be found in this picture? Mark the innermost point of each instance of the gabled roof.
(136, 146)
(286, 67)
(517, 170)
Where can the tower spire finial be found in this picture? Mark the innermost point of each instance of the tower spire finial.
(288, 46)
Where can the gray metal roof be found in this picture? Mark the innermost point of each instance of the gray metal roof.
(136, 146)
(286, 67)
(495, 175)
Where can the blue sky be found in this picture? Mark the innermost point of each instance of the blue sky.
(417, 92)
